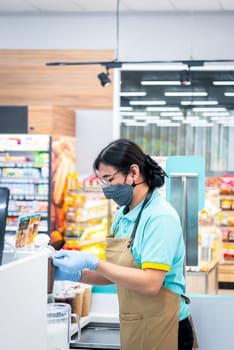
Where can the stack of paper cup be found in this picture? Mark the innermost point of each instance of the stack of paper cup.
(78, 300)
(86, 300)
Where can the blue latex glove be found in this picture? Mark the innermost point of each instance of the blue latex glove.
(61, 275)
(71, 262)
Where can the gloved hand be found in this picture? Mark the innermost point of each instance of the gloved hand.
(61, 275)
(71, 262)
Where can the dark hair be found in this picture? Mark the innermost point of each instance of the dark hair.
(122, 153)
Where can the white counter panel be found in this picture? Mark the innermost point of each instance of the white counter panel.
(23, 302)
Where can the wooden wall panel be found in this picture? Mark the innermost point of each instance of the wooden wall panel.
(64, 121)
(40, 120)
(26, 80)
(51, 120)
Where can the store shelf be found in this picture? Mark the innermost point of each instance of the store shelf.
(21, 165)
(25, 170)
(13, 228)
(29, 197)
(226, 196)
(226, 227)
(92, 189)
(18, 180)
(223, 220)
(88, 216)
(18, 213)
(91, 219)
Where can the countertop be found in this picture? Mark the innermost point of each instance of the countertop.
(204, 266)
(95, 317)
(99, 318)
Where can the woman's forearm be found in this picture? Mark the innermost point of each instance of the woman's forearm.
(93, 277)
(147, 282)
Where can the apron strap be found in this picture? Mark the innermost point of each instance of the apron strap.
(187, 300)
(133, 234)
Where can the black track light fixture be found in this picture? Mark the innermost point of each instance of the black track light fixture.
(104, 78)
(185, 77)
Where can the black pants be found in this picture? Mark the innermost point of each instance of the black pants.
(185, 337)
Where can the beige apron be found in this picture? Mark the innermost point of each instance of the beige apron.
(146, 323)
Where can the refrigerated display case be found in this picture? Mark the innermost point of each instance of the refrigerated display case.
(216, 219)
(25, 168)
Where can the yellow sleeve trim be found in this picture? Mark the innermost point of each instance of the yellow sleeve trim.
(150, 265)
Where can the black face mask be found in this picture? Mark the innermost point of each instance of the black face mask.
(121, 194)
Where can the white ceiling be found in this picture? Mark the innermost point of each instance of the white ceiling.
(81, 6)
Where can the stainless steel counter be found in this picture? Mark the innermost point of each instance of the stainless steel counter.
(98, 335)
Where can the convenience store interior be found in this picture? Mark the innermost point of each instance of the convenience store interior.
(192, 117)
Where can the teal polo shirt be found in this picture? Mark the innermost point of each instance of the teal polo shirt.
(158, 242)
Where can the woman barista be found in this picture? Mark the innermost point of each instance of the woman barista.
(145, 257)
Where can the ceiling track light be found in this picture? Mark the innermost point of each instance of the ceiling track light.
(184, 67)
(104, 78)
(116, 63)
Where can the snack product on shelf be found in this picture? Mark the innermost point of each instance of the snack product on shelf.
(227, 184)
(87, 216)
(63, 164)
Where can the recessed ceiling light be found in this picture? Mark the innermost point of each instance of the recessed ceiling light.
(160, 82)
(139, 93)
(223, 82)
(225, 120)
(135, 123)
(191, 119)
(178, 117)
(228, 124)
(152, 120)
(150, 102)
(170, 114)
(203, 125)
(164, 123)
(229, 94)
(217, 114)
(213, 67)
(209, 109)
(192, 103)
(221, 120)
(123, 120)
(188, 93)
(125, 108)
(163, 109)
(134, 113)
(215, 118)
(139, 117)
(154, 66)
(195, 121)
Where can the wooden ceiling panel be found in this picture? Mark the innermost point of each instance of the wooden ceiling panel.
(26, 80)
